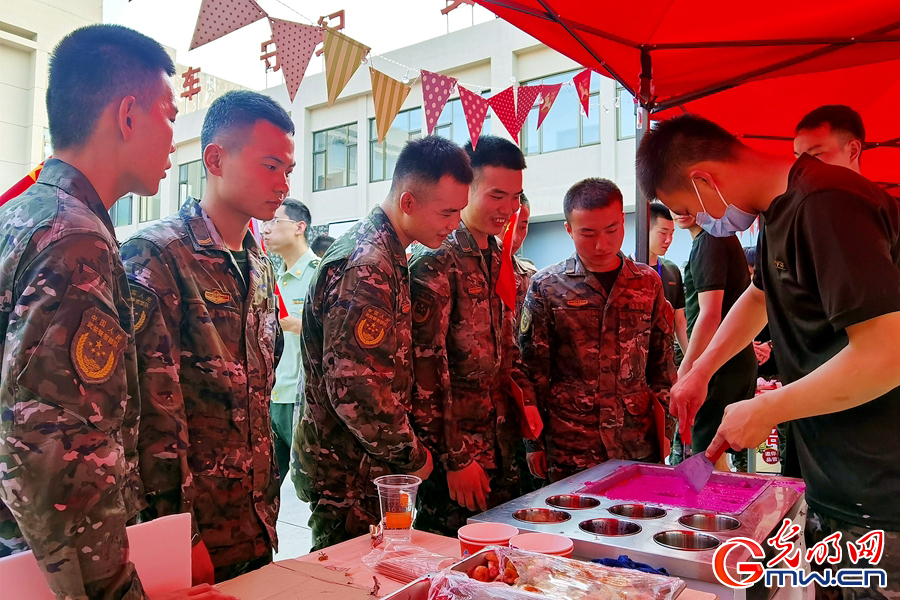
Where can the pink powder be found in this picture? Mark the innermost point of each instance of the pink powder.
(671, 490)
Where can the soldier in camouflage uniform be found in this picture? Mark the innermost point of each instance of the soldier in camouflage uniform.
(206, 326)
(69, 402)
(597, 338)
(357, 354)
(522, 267)
(466, 353)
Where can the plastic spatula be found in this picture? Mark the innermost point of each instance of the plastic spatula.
(697, 469)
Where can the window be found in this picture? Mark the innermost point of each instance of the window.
(334, 158)
(148, 208)
(625, 114)
(452, 122)
(382, 157)
(191, 181)
(565, 125)
(120, 213)
(409, 126)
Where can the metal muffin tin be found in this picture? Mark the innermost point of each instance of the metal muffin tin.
(680, 539)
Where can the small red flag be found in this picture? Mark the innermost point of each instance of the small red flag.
(21, 185)
(506, 281)
(282, 308)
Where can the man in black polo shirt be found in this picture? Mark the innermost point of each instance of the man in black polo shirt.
(714, 278)
(828, 282)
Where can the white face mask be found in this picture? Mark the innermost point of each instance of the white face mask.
(733, 221)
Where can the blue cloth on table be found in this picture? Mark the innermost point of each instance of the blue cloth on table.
(623, 562)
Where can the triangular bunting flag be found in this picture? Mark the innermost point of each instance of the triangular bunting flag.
(475, 108)
(218, 17)
(504, 105)
(548, 96)
(582, 83)
(388, 95)
(343, 55)
(525, 97)
(436, 89)
(295, 44)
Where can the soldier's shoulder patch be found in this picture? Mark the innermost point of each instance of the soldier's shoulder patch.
(525, 323)
(143, 303)
(217, 296)
(97, 346)
(372, 327)
(423, 307)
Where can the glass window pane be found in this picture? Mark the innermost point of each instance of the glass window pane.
(376, 162)
(530, 135)
(319, 142)
(415, 119)
(148, 208)
(590, 125)
(373, 130)
(460, 129)
(447, 114)
(560, 127)
(182, 173)
(596, 78)
(626, 114)
(352, 138)
(351, 165)
(336, 164)
(120, 214)
(561, 78)
(318, 171)
(393, 144)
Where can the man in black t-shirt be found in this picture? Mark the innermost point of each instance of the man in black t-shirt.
(715, 277)
(828, 282)
(662, 230)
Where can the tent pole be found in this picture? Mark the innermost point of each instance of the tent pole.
(641, 216)
(642, 114)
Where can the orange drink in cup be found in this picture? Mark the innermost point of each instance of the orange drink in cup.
(397, 497)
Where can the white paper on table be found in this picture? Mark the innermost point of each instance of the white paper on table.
(160, 550)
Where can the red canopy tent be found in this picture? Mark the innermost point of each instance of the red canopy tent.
(755, 68)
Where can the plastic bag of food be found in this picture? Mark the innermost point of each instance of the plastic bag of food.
(576, 580)
(453, 585)
(404, 562)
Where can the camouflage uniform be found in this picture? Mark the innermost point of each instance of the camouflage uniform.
(206, 345)
(357, 358)
(597, 363)
(524, 270)
(69, 402)
(465, 356)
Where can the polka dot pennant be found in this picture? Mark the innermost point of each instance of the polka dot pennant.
(504, 105)
(582, 83)
(475, 108)
(548, 96)
(525, 97)
(219, 17)
(436, 89)
(295, 44)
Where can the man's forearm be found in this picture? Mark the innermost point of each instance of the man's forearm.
(743, 323)
(681, 330)
(704, 330)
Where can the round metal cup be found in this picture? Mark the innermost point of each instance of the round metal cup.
(686, 540)
(709, 522)
(541, 515)
(609, 527)
(573, 501)
(637, 511)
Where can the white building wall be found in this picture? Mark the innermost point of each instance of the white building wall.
(29, 30)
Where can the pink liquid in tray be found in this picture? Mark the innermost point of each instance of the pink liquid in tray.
(671, 490)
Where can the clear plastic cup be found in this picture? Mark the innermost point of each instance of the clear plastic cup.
(397, 495)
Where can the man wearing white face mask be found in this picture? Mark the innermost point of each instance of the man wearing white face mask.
(827, 281)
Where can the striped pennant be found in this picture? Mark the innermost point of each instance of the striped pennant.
(343, 55)
(389, 95)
